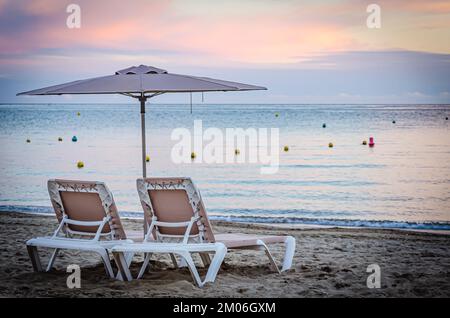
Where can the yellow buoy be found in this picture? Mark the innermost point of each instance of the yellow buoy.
(78, 114)
(237, 152)
(286, 148)
(80, 164)
(276, 114)
(330, 145)
(147, 158)
(193, 155)
(364, 142)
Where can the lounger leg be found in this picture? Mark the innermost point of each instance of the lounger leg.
(34, 257)
(144, 265)
(289, 253)
(123, 266)
(128, 258)
(107, 262)
(206, 260)
(269, 255)
(175, 262)
(192, 268)
(215, 264)
(52, 259)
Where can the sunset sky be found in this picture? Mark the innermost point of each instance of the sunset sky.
(303, 51)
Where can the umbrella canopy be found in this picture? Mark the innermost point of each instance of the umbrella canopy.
(138, 80)
(143, 82)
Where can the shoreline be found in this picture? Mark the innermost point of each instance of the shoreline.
(288, 226)
(328, 262)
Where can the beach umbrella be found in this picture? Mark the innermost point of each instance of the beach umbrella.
(143, 82)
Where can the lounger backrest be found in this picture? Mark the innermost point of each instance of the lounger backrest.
(85, 201)
(174, 200)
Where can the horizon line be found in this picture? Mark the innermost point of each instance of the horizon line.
(199, 104)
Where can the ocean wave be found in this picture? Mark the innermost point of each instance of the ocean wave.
(385, 224)
(333, 222)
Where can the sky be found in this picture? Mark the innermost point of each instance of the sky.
(302, 51)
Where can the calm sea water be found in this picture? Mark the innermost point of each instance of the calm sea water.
(404, 181)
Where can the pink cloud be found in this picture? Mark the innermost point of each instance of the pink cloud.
(271, 34)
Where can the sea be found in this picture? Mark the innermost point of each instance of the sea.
(403, 181)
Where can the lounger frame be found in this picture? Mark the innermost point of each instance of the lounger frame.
(183, 250)
(65, 238)
(195, 200)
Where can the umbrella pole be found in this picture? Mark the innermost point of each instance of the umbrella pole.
(142, 99)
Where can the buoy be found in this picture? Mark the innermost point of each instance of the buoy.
(393, 121)
(28, 140)
(324, 125)
(286, 148)
(446, 118)
(276, 114)
(59, 138)
(371, 142)
(78, 114)
(193, 155)
(330, 145)
(147, 158)
(74, 139)
(364, 142)
(80, 164)
(237, 152)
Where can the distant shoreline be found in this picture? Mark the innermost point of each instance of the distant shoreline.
(270, 104)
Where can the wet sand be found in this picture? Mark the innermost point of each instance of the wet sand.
(329, 262)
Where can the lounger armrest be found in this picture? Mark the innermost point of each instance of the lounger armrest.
(189, 228)
(84, 223)
(100, 224)
(188, 224)
(172, 224)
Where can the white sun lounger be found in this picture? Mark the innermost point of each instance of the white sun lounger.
(177, 199)
(89, 221)
(181, 249)
(174, 212)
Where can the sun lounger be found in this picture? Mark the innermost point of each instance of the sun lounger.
(183, 250)
(88, 221)
(174, 212)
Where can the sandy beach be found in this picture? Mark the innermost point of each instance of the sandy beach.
(328, 263)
